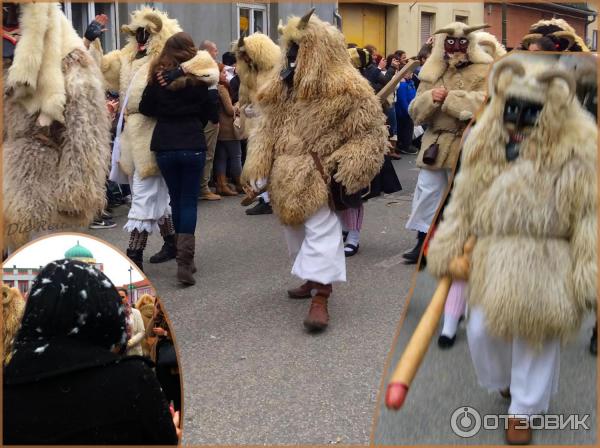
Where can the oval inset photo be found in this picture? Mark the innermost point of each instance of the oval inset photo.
(88, 353)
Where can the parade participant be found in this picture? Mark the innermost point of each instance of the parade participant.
(256, 57)
(67, 383)
(126, 71)
(182, 105)
(527, 190)
(451, 89)
(558, 31)
(13, 305)
(56, 150)
(342, 142)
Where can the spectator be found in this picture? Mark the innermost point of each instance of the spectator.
(228, 60)
(145, 305)
(406, 92)
(66, 383)
(13, 305)
(135, 326)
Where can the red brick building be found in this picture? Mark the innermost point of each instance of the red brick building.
(520, 16)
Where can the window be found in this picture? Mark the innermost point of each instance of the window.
(252, 19)
(427, 24)
(81, 14)
(463, 19)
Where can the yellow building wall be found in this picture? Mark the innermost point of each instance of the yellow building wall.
(364, 24)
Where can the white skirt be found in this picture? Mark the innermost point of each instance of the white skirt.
(149, 203)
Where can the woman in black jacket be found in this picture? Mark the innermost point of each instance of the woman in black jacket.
(66, 382)
(182, 95)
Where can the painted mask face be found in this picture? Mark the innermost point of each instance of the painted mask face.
(520, 117)
(287, 74)
(456, 45)
(142, 36)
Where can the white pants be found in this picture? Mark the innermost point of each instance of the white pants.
(429, 192)
(531, 374)
(149, 202)
(318, 249)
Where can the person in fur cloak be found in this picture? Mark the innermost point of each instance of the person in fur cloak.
(13, 306)
(126, 71)
(562, 35)
(451, 90)
(526, 192)
(320, 123)
(256, 58)
(56, 147)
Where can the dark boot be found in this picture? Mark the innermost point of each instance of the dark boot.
(318, 317)
(262, 208)
(594, 341)
(193, 262)
(186, 246)
(167, 252)
(137, 256)
(412, 255)
(302, 292)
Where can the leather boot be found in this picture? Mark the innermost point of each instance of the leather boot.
(186, 246)
(238, 185)
(167, 252)
(318, 317)
(521, 436)
(412, 255)
(222, 186)
(193, 261)
(137, 256)
(207, 195)
(302, 292)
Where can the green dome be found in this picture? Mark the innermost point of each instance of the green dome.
(78, 251)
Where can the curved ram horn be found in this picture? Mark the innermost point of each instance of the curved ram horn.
(513, 65)
(240, 43)
(156, 21)
(565, 35)
(530, 38)
(280, 27)
(548, 76)
(304, 20)
(445, 31)
(472, 28)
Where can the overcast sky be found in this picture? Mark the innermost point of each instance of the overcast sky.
(42, 252)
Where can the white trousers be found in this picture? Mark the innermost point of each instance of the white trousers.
(317, 248)
(429, 192)
(149, 202)
(531, 374)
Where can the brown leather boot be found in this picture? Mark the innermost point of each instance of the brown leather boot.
(238, 185)
(193, 262)
(186, 245)
(207, 195)
(222, 186)
(518, 436)
(318, 317)
(301, 292)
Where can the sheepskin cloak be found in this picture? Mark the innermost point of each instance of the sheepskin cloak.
(331, 110)
(53, 177)
(533, 269)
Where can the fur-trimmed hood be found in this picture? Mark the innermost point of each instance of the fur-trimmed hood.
(479, 50)
(36, 74)
(202, 68)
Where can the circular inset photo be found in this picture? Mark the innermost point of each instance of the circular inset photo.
(89, 354)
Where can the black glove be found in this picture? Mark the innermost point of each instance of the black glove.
(168, 76)
(93, 31)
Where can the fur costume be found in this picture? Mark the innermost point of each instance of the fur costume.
(534, 264)
(119, 68)
(465, 87)
(558, 28)
(13, 306)
(330, 109)
(56, 129)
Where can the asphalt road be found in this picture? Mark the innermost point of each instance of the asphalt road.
(251, 373)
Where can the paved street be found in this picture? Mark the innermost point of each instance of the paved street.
(252, 375)
(446, 382)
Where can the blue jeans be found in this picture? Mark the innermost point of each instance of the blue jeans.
(182, 171)
(391, 119)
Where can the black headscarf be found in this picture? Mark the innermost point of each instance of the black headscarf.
(73, 319)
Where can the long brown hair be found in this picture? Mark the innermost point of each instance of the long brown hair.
(178, 49)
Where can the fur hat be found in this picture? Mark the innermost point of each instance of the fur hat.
(360, 57)
(557, 28)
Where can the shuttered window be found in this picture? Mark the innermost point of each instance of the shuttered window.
(463, 19)
(427, 20)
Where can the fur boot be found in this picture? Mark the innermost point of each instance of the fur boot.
(186, 245)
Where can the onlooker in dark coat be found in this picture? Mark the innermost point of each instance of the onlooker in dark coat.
(66, 382)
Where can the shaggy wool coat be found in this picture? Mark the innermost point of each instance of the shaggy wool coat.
(55, 177)
(466, 92)
(533, 269)
(331, 110)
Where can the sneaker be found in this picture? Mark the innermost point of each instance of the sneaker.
(106, 215)
(262, 208)
(394, 138)
(411, 150)
(102, 224)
